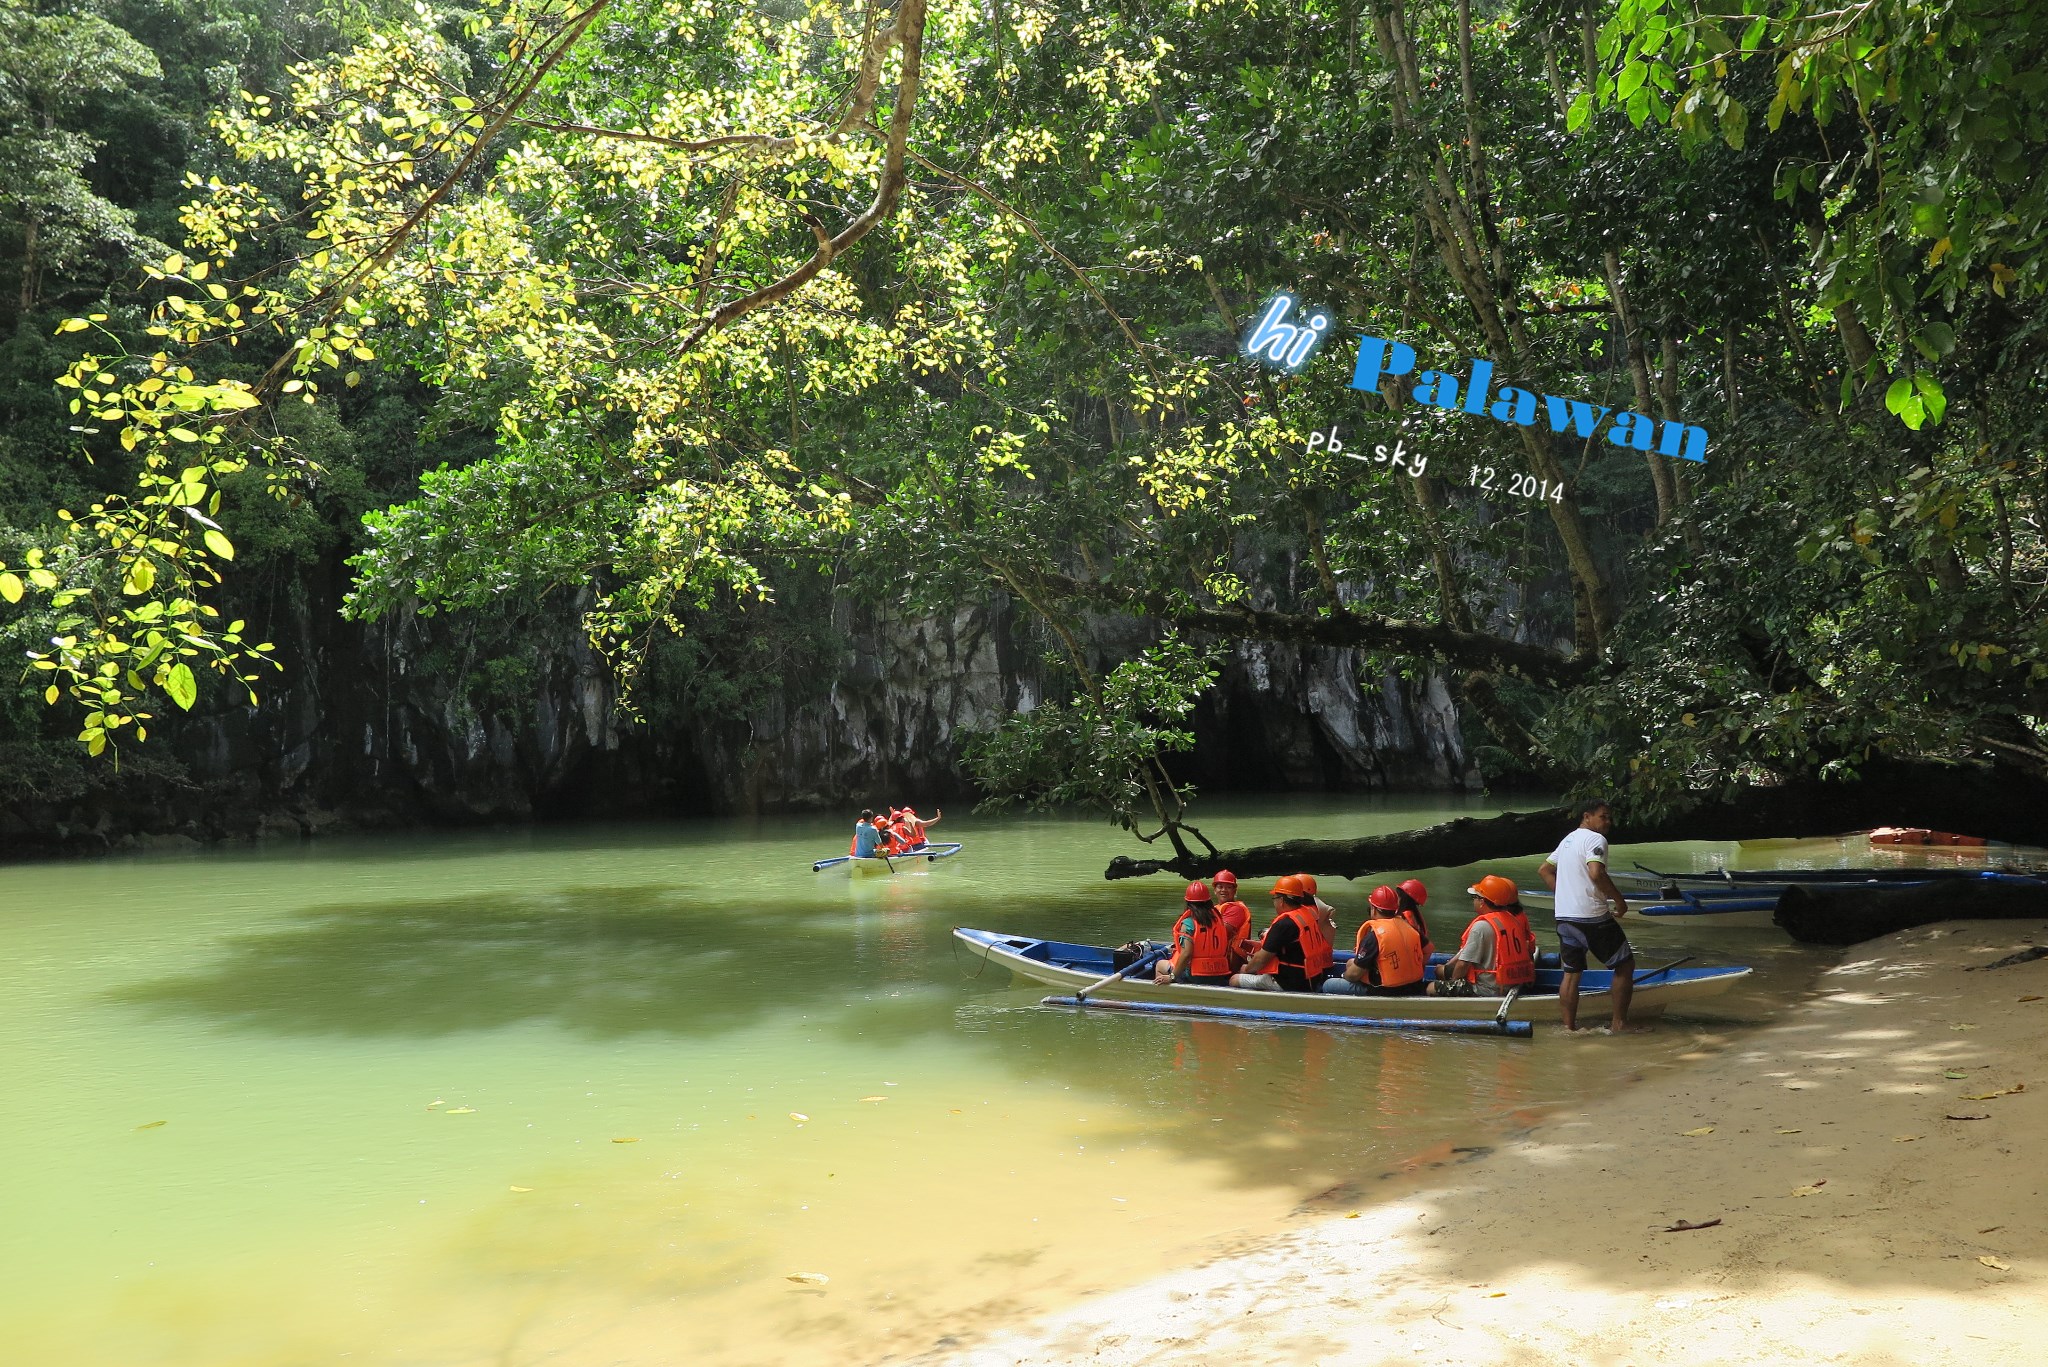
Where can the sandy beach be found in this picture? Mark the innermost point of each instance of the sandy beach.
(1858, 1176)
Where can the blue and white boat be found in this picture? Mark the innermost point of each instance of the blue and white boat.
(1069, 966)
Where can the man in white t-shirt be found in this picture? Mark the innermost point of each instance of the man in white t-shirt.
(1577, 873)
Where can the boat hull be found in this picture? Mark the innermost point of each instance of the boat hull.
(885, 867)
(1069, 966)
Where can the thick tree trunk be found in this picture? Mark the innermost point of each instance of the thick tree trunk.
(1824, 916)
(1999, 803)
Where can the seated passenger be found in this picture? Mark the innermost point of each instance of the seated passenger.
(1295, 954)
(1389, 960)
(1413, 894)
(1237, 915)
(1201, 943)
(1499, 950)
(1323, 909)
(867, 837)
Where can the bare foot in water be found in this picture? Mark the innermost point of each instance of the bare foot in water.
(1630, 1029)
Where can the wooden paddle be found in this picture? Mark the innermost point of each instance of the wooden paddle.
(1081, 997)
(1666, 969)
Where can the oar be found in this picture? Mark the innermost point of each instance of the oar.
(1500, 1017)
(1081, 997)
(1666, 969)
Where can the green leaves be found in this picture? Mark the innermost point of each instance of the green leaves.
(1916, 398)
(179, 684)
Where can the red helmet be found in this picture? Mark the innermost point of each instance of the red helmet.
(1308, 883)
(1414, 888)
(1225, 877)
(1198, 892)
(1383, 898)
(1288, 886)
(1496, 891)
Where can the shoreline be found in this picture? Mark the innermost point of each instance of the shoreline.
(1838, 1214)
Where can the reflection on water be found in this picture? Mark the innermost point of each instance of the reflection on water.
(598, 1095)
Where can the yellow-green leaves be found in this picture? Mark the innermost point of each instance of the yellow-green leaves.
(219, 544)
(180, 685)
(10, 587)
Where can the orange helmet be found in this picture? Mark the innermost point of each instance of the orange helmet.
(1308, 883)
(1288, 886)
(1383, 898)
(1225, 878)
(1414, 888)
(1496, 891)
(1198, 892)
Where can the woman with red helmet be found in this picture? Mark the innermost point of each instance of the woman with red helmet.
(1201, 942)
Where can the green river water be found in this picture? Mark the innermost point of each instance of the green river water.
(362, 1099)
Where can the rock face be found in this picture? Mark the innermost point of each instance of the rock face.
(383, 724)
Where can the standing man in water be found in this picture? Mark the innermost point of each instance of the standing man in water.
(1577, 873)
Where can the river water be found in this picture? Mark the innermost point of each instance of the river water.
(661, 1094)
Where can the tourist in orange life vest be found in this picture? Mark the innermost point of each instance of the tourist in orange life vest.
(1413, 894)
(1236, 915)
(1295, 954)
(1389, 960)
(1323, 909)
(913, 826)
(1499, 950)
(891, 842)
(1201, 942)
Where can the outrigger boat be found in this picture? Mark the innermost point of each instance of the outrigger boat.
(1747, 906)
(882, 865)
(1074, 968)
(1779, 879)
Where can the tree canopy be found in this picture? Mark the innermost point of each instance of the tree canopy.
(947, 299)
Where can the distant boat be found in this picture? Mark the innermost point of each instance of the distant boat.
(881, 866)
(1070, 966)
(1921, 836)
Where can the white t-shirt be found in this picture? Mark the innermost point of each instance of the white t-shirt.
(1577, 898)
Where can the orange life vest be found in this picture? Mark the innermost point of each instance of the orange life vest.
(1401, 955)
(1314, 944)
(1238, 917)
(1211, 957)
(1514, 950)
(913, 834)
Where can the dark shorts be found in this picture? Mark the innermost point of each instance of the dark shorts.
(1207, 979)
(1601, 939)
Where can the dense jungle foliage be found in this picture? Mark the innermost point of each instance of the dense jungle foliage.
(703, 304)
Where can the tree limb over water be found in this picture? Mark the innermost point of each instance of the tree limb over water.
(1996, 802)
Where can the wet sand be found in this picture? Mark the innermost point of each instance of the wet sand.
(1871, 1160)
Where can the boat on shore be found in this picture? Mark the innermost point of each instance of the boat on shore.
(1749, 907)
(1070, 966)
(884, 865)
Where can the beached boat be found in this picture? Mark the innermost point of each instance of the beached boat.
(1069, 966)
(882, 866)
(1748, 906)
(1781, 878)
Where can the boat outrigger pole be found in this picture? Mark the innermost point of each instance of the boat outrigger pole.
(1496, 1026)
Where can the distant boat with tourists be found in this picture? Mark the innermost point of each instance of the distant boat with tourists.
(883, 865)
